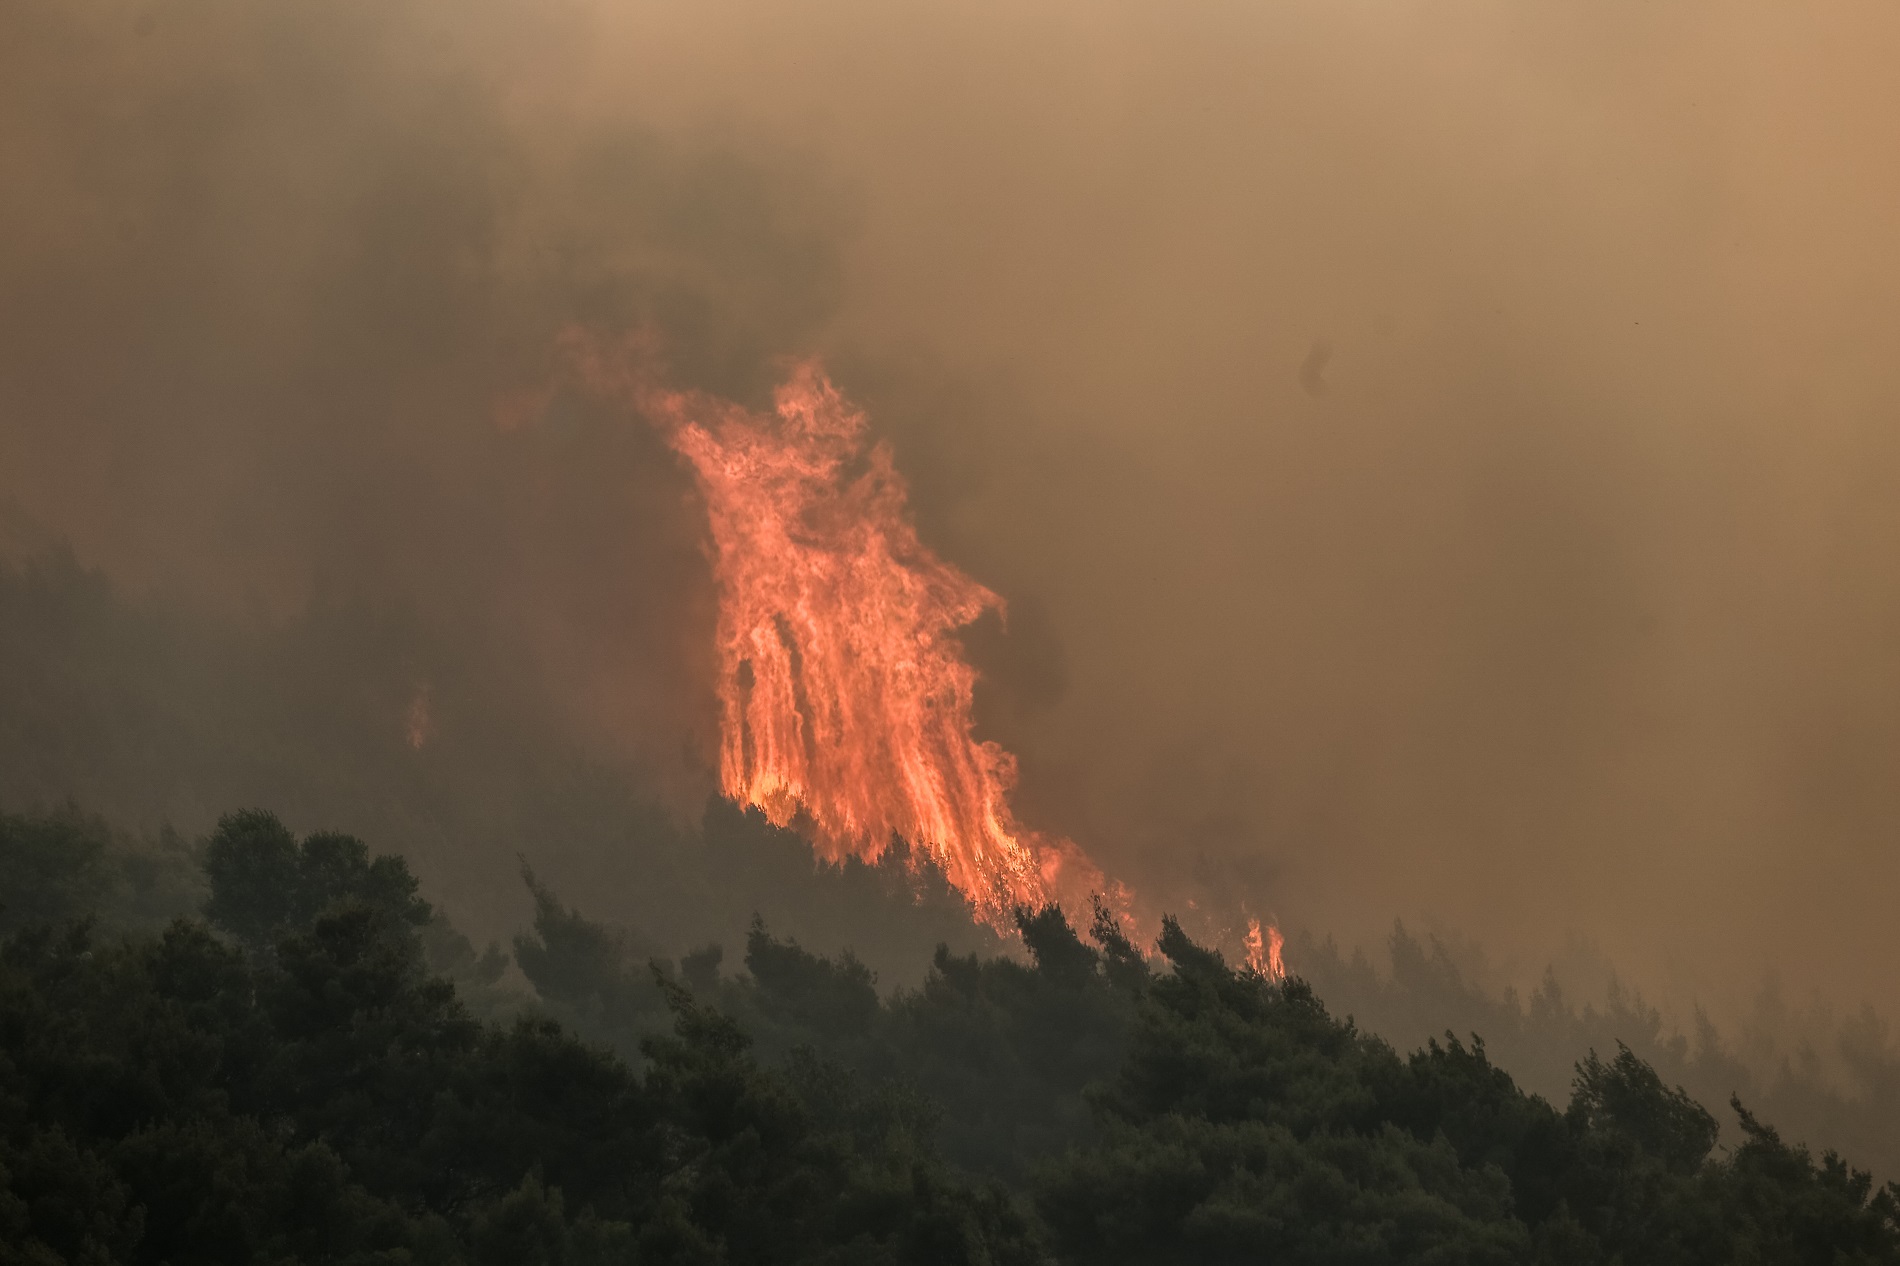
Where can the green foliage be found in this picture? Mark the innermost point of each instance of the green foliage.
(1005, 1047)
(265, 885)
(291, 1082)
(1625, 1098)
(66, 865)
(53, 865)
(1247, 1124)
(307, 1091)
(1778, 1204)
(594, 979)
(1429, 987)
(1204, 1114)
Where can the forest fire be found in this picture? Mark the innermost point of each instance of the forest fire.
(844, 697)
(1263, 951)
(842, 690)
(845, 702)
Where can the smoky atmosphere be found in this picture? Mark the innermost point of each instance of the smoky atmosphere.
(933, 574)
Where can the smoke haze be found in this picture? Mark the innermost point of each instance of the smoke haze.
(1440, 457)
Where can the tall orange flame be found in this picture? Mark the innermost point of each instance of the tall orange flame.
(845, 701)
(1263, 952)
(842, 690)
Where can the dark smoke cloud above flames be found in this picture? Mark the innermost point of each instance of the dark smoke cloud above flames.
(1558, 593)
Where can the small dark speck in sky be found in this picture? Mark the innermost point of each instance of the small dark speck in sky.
(1313, 368)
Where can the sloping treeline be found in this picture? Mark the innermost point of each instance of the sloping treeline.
(1822, 1078)
(153, 711)
(285, 1078)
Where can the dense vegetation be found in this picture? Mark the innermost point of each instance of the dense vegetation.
(1828, 1079)
(285, 1078)
(152, 711)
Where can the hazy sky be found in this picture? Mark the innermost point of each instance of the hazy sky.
(1443, 455)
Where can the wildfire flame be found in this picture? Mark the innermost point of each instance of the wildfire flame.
(1263, 952)
(844, 698)
(418, 721)
(842, 690)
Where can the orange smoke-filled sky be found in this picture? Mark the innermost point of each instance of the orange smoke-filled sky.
(1442, 456)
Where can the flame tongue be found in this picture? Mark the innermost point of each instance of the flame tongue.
(844, 699)
(1263, 952)
(842, 690)
(845, 703)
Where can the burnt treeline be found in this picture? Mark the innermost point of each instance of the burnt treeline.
(313, 1066)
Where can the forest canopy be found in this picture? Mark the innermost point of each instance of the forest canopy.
(314, 1067)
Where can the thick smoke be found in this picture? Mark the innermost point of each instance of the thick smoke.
(1440, 457)
(1567, 604)
(281, 272)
